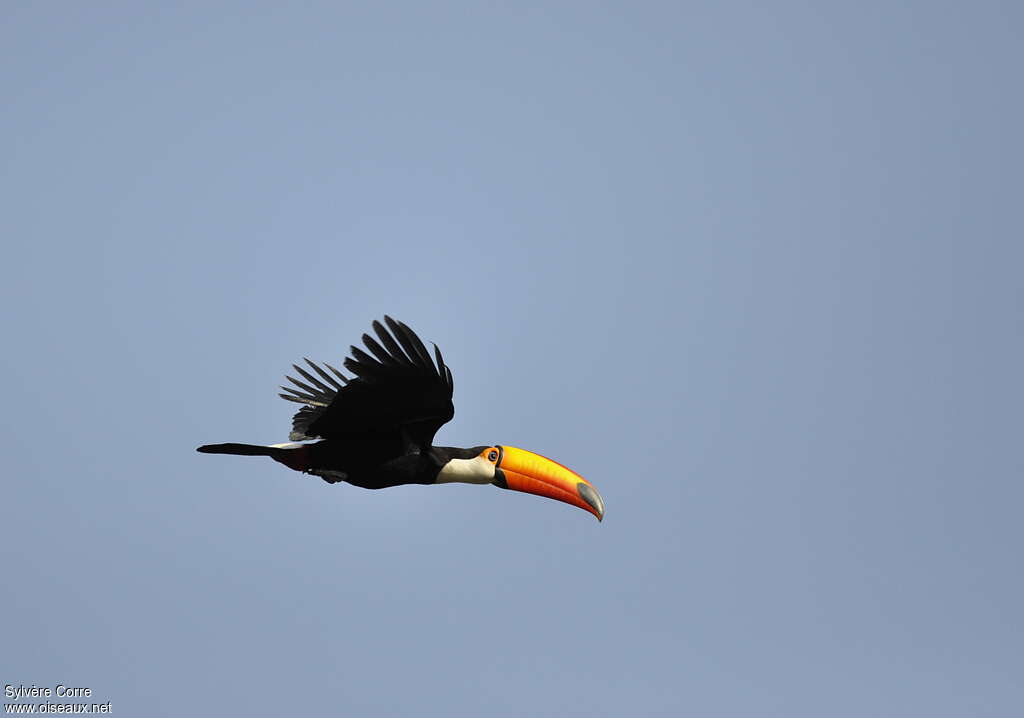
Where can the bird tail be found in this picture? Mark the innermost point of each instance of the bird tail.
(293, 456)
(239, 449)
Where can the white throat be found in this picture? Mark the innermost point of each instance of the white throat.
(477, 470)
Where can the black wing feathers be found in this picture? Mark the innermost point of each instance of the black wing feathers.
(312, 379)
(414, 348)
(399, 392)
(362, 364)
(378, 351)
(441, 368)
(299, 384)
(344, 379)
(393, 350)
(327, 377)
(319, 396)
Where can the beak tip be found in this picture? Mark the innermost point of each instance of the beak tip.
(593, 499)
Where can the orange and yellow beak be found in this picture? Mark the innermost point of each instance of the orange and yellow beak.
(522, 470)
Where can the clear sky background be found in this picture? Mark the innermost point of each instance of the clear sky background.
(753, 269)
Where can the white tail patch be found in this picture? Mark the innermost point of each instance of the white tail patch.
(293, 445)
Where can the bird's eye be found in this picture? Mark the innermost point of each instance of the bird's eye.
(493, 456)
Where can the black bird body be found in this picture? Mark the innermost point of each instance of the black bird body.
(376, 430)
(370, 463)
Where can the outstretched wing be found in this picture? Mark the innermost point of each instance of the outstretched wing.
(399, 391)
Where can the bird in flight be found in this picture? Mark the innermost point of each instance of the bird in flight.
(377, 428)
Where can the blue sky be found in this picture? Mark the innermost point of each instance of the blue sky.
(752, 270)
